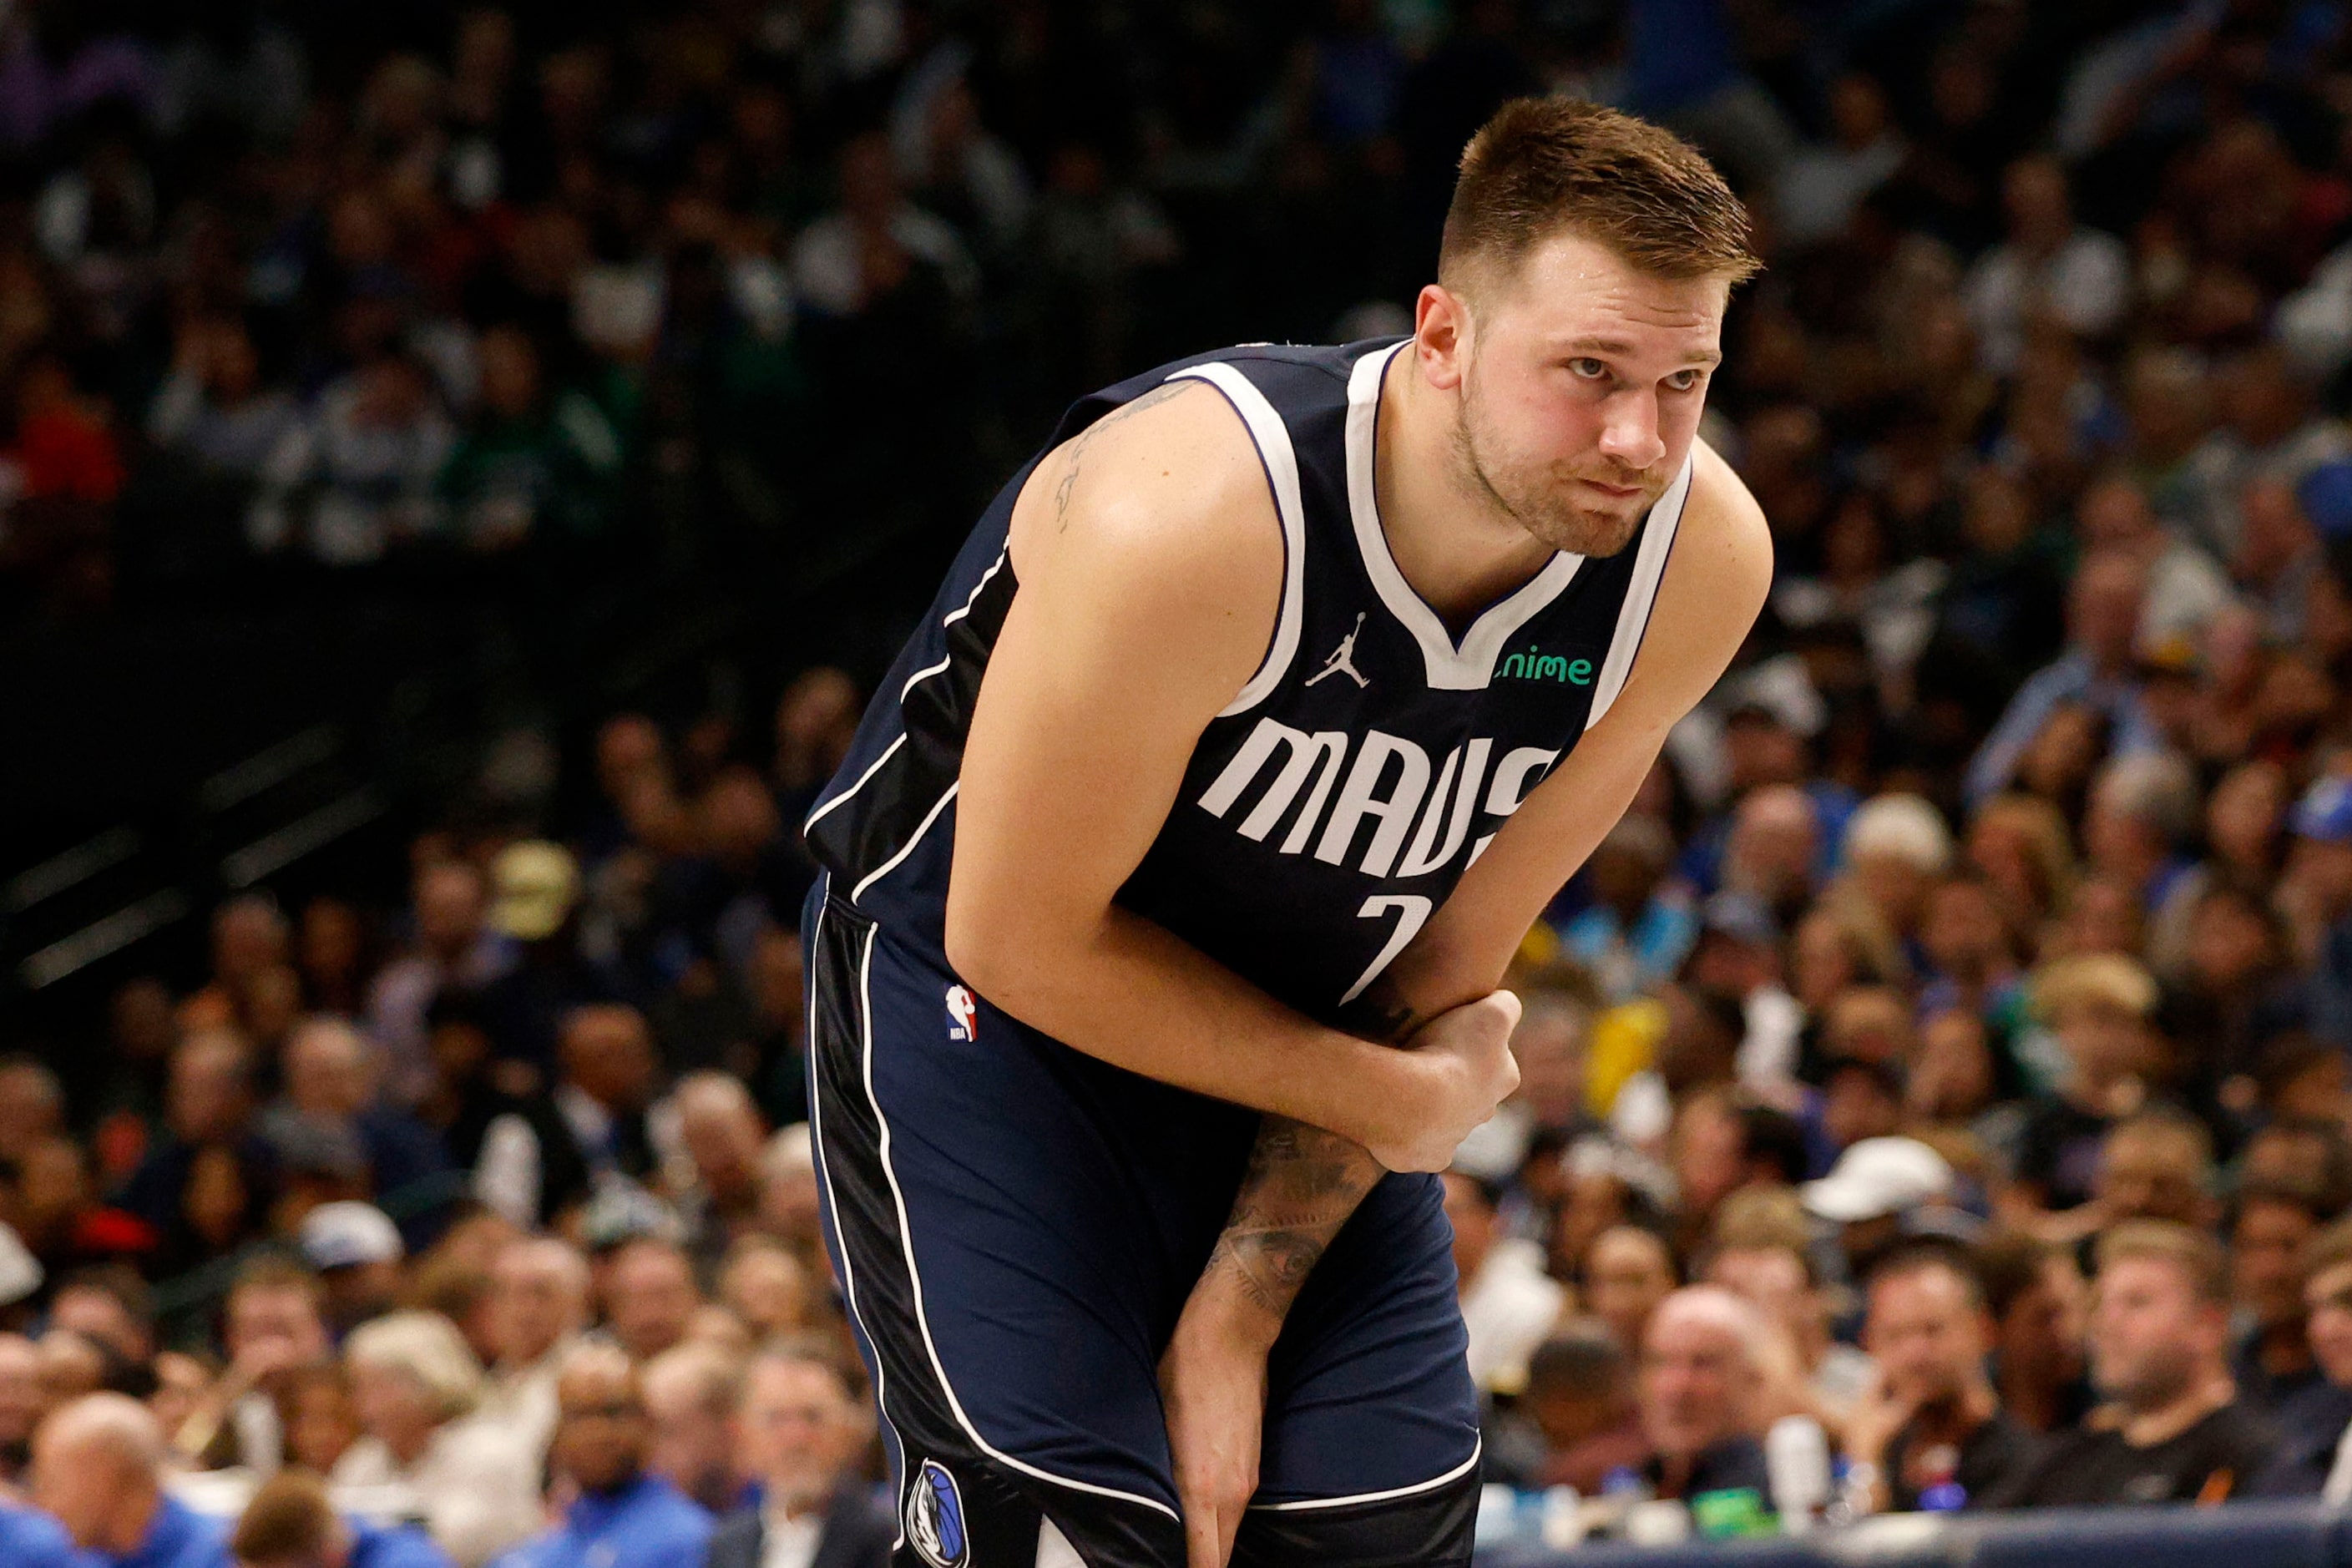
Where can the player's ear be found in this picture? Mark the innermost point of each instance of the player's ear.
(1441, 328)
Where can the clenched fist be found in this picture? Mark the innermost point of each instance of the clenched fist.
(1464, 1061)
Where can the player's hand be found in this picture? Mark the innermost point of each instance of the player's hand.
(1466, 1059)
(1212, 1383)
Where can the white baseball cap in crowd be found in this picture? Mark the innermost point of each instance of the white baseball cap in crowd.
(20, 1272)
(339, 1235)
(1877, 1177)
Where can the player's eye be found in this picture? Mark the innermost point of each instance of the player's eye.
(1588, 369)
(1684, 380)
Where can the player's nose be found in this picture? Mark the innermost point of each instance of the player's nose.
(1630, 435)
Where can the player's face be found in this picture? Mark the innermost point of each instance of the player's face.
(1581, 391)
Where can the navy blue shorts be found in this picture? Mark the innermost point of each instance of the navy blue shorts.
(1017, 1225)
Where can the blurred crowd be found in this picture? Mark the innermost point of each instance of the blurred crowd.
(1937, 1091)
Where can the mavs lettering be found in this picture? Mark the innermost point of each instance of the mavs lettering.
(1386, 786)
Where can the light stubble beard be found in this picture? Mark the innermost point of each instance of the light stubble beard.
(1545, 506)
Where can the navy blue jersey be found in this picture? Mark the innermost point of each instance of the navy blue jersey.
(1331, 806)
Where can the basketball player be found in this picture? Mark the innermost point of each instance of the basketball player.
(1261, 715)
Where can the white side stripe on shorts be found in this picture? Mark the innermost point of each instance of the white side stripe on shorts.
(914, 1275)
(848, 1272)
(1455, 1474)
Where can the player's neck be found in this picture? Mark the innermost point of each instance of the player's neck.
(1459, 550)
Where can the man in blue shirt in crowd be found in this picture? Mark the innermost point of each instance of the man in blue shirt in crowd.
(2095, 671)
(290, 1523)
(625, 1518)
(29, 1540)
(97, 1470)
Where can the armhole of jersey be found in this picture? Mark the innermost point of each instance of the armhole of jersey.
(1275, 454)
(1641, 592)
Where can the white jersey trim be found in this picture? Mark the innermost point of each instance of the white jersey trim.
(1274, 449)
(906, 848)
(1641, 592)
(915, 1274)
(1449, 669)
(928, 670)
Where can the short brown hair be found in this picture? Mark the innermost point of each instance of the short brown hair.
(2331, 1249)
(808, 1348)
(289, 1519)
(2198, 1254)
(2009, 1264)
(278, 1271)
(1545, 165)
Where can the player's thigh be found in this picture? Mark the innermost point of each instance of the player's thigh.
(1372, 1438)
(1004, 1293)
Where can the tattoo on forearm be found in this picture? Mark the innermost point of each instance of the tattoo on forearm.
(1069, 479)
(1301, 1185)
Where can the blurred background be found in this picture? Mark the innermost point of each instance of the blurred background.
(462, 467)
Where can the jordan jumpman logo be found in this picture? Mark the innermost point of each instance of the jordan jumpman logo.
(1343, 658)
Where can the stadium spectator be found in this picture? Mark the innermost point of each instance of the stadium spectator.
(650, 1296)
(2039, 1305)
(355, 477)
(1627, 1272)
(608, 1066)
(800, 1424)
(1578, 1420)
(99, 1471)
(530, 460)
(1931, 1433)
(1701, 1381)
(537, 1308)
(454, 949)
(719, 1134)
(22, 1404)
(2312, 1422)
(763, 1282)
(272, 1325)
(290, 1523)
(624, 1516)
(357, 1252)
(215, 407)
(330, 1082)
(414, 1385)
(2048, 263)
(523, 1161)
(690, 1392)
(1760, 1255)
(1508, 1304)
(2271, 1229)
(2092, 677)
(2159, 1351)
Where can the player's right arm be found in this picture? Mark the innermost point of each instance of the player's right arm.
(1149, 561)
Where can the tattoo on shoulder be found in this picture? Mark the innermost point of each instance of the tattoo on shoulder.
(1070, 461)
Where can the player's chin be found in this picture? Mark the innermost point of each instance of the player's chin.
(1593, 532)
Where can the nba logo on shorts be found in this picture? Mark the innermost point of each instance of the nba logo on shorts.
(964, 1015)
(935, 1516)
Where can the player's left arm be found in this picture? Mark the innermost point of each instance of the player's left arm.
(1302, 1182)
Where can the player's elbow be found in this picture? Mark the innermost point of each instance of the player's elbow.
(992, 945)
